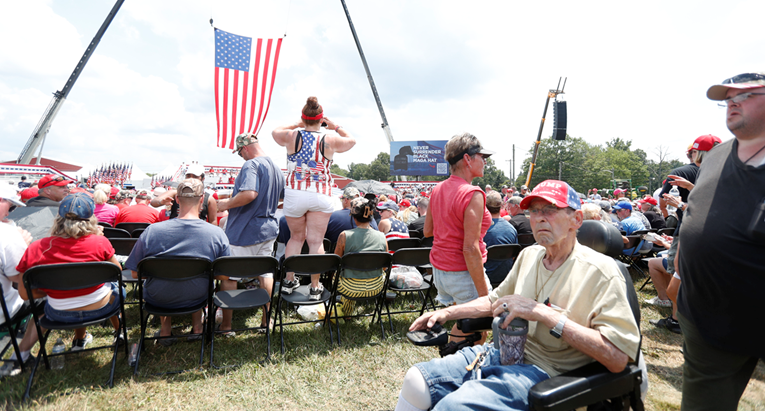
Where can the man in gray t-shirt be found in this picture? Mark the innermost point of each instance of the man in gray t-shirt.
(185, 236)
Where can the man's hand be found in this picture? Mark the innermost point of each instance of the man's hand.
(681, 182)
(518, 307)
(672, 200)
(428, 320)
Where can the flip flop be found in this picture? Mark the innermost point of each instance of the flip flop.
(165, 342)
(228, 333)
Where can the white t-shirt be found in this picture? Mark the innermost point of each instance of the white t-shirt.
(12, 247)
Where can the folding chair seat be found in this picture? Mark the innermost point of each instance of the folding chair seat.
(13, 324)
(502, 252)
(304, 265)
(74, 276)
(104, 224)
(419, 258)
(241, 299)
(525, 240)
(369, 261)
(172, 269)
(115, 233)
(130, 227)
(399, 243)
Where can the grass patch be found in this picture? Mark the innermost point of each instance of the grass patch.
(365, 372)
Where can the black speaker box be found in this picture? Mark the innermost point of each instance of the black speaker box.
(559, 120)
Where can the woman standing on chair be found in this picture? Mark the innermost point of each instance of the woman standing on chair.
(360, 239)
(75, 237)
(307, 197)
(457, 220)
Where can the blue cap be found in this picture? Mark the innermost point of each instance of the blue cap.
(622, 205)
(79, 204)
(388, 205)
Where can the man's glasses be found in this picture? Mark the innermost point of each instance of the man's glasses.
(547, 211)
(240, 151)
(12, 207)
(737, 99)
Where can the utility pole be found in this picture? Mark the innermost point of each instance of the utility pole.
(560, 170)
(512, 171)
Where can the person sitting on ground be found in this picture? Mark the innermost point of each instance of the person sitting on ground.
(362, 238)
(140, 212)
(104, 212)
(500, 232)
(185, 236)
(389, 225)
(517, 218)
(51, 190)
(588, 317)
(75, 237)
(209, 211)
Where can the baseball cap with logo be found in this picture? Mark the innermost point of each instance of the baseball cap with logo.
(559, 193)
(53, 180)
(143, 194)
(740, 82)
(494, 200)
(650, 200)
(622, 205)
(77, 206)
(705, 143)
(196, 169)
(351, 192)
(244, 140)
(388, 205)
(191, 187)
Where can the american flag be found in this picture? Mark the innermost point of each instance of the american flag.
(244, 82)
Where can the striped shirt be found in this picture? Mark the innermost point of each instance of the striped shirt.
(308, 169)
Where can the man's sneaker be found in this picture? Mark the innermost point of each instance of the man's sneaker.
(81, 343)
(13, 367)
(668, 323)
(315, 293)
(656, 301)
(288, 287)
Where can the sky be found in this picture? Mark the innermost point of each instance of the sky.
(638, 71)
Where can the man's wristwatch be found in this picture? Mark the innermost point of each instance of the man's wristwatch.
(557, 332)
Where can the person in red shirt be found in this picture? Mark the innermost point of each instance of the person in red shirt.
(141, 212)
(75, 237)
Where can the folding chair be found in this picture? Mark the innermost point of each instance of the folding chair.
(171, 269)
(115, 233)
(666, 231)
(502, 252)
(123, 247)
(74, 276)
(399, 243)
(130, 227)
(525, 240)
(137, 232)
(305, 265)
(243, 267)
(633, 241)
(415, 234)
(416, 257)
(104, 224)
(12, 324)
(369, 261)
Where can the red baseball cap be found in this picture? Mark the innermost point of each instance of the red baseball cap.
(559, 193)
(649, 200)
(53, 180)
(114, 193)
(705, 143)
(28, 193)
(405, 203)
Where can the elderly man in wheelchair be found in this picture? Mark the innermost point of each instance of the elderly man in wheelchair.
(578, 309)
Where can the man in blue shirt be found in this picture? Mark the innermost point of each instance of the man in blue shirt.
(252, 226)
(500, 232)
(630, 223)
(341, 220)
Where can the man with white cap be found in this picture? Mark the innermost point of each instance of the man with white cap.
(720, 299)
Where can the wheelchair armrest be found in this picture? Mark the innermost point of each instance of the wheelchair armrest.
(583, 386)
(474, 325)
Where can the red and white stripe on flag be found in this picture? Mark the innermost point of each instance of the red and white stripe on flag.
(244, 82)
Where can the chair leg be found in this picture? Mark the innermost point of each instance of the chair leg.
(647, 281)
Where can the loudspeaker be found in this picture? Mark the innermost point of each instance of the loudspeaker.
(559, 120)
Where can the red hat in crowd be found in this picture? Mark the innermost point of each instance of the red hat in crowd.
(53, 180)
(114, 193)
(80, 190)
(706, 143)
(28, 193)
(405, 203)
(649, 200)
(559, 193)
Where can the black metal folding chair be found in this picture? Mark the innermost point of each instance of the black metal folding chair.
(399, 243)
(130, 227)
(115, 233)
(241, 299)
(104, 224)
(501, 252)
(172, 269)
(13, 324)
(419, 258)
(367, 261)
(304, 265)
(137, 232)
(74, 276)
(525, 240)
(415, 234)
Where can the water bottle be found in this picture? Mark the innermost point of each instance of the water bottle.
(57, 362)
(133, 354)
(674, 192)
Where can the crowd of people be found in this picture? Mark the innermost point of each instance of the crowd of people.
(572, 297)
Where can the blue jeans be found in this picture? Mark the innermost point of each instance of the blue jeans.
(83, 316)
(456, 287)
(452, 387)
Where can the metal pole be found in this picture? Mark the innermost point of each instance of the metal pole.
(385, 126)
(512, 171)
(560, 170)
(539, 139)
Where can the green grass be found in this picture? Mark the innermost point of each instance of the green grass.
(365, 372)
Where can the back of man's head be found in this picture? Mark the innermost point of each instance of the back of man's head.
(493, 203)
(516, 201)
(422, 205)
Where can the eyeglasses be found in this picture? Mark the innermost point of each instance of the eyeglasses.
(547, 211)
(240, 151)
(737, 99)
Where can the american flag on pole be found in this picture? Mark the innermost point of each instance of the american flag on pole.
(244, 81)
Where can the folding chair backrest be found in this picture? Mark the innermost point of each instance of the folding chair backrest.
(416, 257)
(367, 261)
(137, 232)
(305, 264)
(632, 241)
(399, 243)
(245, 267)
(173, 268)
(123, 246)
(641, 232)
(116, 233)
(326, 243)
(526, 240)
(104, 224)
(666, 231)
(71, 276)
(129, 227)
(415, 234)
(503, 251)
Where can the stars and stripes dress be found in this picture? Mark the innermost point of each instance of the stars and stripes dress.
(308, 169)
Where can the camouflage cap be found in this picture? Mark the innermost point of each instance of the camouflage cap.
(244, 140)
(191, 187)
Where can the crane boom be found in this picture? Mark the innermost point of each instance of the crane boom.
(37, 138)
